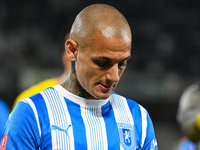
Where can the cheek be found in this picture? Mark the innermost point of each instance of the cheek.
(91, 75)
(84, 74)
(90, 78)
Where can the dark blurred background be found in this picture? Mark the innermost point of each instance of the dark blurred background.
(165, 51)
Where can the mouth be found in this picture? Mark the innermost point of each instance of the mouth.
(105, 87)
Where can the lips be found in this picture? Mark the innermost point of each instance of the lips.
(105, 88)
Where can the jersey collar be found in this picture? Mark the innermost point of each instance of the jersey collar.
(80, 100)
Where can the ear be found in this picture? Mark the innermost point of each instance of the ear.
(71, 49)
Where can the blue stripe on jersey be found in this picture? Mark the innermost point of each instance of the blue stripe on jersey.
(78, 125)
(136, 112)
(111, 127)
(45, 140)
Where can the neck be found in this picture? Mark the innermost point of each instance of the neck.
(72, 85)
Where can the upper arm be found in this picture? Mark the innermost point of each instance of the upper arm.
(22, 128)
(150, 139)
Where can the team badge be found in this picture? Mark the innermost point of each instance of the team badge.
(127, 136)
(4, 142)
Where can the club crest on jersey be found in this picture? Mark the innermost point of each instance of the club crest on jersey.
(127, 136)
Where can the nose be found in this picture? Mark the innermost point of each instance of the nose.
(113, 73)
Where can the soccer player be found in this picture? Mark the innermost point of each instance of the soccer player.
(83, 112)
(188, 115)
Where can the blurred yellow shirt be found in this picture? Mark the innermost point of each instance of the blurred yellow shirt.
(35, 89)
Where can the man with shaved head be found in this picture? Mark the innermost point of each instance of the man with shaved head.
(83, 112)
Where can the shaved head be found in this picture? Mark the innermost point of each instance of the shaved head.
(99, 47)
(99, 18)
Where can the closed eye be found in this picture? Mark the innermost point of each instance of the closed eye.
(104, 62)
(101, 64)
(122, 64)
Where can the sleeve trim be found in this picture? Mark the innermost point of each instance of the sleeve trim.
(30, 102)
(144, 124)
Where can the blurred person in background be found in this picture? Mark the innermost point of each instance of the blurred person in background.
(83, 112)
(4, 113)
(185, 144)
(46, 83)
(188, 116)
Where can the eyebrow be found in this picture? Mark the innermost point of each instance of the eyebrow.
(106, 58)
(127, 58)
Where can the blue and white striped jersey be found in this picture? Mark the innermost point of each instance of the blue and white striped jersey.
(59, 120)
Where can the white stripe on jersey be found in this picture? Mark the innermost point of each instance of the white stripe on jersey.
(144, 124)
(121, 111)
(29, 101)
(95, 128)
(60, 119)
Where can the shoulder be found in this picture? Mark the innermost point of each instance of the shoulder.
(30, 104)
(117, 96)
(21, 116)
(138, 112)
(22, 126)
(28, 111)
(38, 100)
(131, 103)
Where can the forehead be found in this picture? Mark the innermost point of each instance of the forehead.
(105, 46)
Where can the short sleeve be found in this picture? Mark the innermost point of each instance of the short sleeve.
(22, 129)
(150, 142)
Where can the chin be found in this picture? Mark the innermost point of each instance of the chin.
(99, 94)
(102, 96)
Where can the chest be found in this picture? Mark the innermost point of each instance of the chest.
(89, 129)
